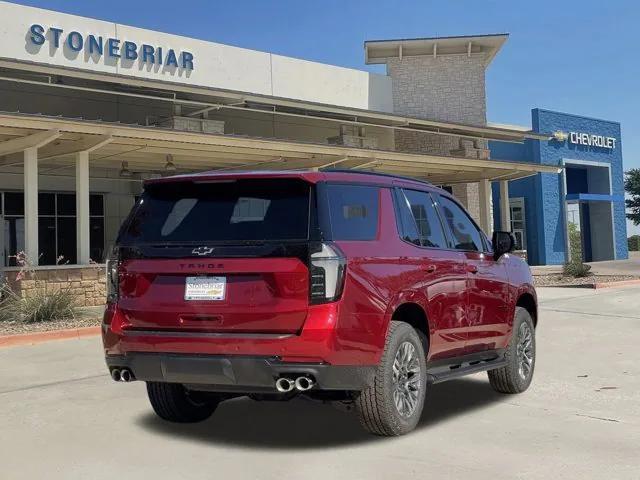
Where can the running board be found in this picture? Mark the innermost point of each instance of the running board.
(450, 368)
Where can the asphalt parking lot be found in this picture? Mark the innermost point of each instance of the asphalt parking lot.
(62, 417)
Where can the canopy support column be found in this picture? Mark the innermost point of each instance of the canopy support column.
(484, 192)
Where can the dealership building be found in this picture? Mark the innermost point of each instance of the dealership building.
(89, 109)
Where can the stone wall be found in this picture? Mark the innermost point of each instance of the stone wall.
(87, 284)
(449, 88)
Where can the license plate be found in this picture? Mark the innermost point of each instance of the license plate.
(205, 288)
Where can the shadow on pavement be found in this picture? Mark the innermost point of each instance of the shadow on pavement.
(302, 424)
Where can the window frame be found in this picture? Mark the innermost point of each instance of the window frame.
(486, 245)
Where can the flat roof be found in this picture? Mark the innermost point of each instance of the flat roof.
(379, 51)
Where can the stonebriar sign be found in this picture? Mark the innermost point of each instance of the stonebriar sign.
(114, 48)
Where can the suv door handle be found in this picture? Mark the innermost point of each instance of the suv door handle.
(430, 268)
(472, 268)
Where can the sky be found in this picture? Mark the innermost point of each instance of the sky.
(576, 56)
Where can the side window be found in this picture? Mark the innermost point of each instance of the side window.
(407, 227)
(353, 211)
(426, 219)
(464, 233)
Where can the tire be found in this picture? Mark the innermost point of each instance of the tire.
(376, 405)
(174, 403)
(511, 378)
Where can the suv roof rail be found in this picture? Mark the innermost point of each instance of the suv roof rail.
(380, 174)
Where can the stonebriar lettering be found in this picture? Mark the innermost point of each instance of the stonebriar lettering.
(111, 47)
(592, 140)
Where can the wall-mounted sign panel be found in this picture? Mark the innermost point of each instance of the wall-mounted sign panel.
(56, 39)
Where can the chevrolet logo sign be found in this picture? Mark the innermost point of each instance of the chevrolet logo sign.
(202, 251)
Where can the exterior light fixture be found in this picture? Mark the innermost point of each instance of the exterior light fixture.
(560, 136)
(124, 171)
(169, 166)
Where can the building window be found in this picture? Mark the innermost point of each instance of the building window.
(56, 227)
(518, 223)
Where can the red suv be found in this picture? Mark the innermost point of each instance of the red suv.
(338, 285)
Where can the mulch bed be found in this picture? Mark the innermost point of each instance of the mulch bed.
(15, 328)
(562, 281)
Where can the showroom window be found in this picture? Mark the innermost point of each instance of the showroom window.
(56, 227)
(518, 222)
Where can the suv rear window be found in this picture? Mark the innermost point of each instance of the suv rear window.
(244, 210)
(352, 212)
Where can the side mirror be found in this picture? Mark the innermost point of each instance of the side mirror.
(503, 242)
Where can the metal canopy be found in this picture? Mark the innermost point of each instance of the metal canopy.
(200, 99)
(146, 150)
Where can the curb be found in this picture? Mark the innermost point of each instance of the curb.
(621, 283)
(596, 286)
(41, 337)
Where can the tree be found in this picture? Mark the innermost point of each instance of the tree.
(632, 187)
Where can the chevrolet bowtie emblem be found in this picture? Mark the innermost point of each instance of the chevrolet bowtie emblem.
(202, 250)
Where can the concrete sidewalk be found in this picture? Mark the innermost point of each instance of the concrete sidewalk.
(63, 418)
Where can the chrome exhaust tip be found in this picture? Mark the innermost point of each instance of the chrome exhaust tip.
(125, 375)
(285, 385)
(304, 383)
(115, 375)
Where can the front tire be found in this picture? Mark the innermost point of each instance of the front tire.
(393, 403)
(174, 403)
(516, 376)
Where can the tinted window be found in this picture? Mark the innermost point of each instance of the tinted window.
(404, 218)
(66, 204)
(13, 203)
(46, 204)
(464, 233)
(426, 218)
(96, 205)
(245, 210)
(353, 211)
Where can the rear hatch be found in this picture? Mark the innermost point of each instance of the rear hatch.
(217, 256)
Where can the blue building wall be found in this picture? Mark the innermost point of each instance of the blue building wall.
(543, 193)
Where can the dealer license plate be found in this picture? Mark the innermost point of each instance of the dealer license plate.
(205, 288)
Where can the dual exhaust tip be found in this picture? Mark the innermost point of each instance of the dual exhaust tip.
(302, 384)
(124, 375)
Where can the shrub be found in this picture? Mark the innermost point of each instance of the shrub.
(38, 306)
(576, 269)
(634, 243)
(7, 300)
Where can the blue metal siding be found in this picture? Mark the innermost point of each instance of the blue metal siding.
(544, 202)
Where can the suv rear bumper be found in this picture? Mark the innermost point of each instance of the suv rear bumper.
(237, 373)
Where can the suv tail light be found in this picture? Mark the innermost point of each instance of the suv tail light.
(327, 273)
(113, 278)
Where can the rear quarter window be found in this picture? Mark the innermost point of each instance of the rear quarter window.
(350, 212)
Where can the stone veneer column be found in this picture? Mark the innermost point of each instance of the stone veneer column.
(448, 88)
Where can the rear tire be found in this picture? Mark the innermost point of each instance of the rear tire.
(393, 403)
(516, 376)
(174, 403)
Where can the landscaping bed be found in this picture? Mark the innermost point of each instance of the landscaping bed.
(17, 327)
(559, 280)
